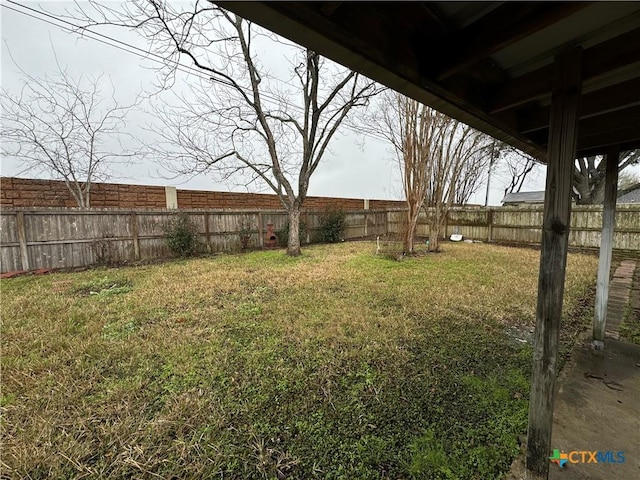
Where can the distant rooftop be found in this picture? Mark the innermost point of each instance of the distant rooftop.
(630, 196)
(523, 197)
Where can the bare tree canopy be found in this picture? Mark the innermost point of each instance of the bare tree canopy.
(459, 146)
(410, 128)
(442, 161)
(516, 165)
(65, 127)
(241, 121)
(589, 176)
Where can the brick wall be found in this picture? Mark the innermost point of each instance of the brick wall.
(23, 192)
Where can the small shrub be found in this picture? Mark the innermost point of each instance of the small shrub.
(245, 230)
(180, 234)
(332, 225)
(389, 246)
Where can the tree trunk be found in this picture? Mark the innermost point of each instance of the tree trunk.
(410, 229)
(434, 230)
(293, 244)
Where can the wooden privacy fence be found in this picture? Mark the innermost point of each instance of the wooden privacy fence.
(52, 238)
(63, 238)
(524, 225)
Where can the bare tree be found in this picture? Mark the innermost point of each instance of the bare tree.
(242, 122)
(408, 126)
(473, 172)
(442, 161)
(66, 128)
(458, 144)
(589, 176)
(517, 167)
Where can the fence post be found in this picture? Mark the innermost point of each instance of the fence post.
(306, 219)
(134, 234)
(446, 224)
(22, 240)
(207, 232)
(490, 226)
(365, 222)
(260, 231)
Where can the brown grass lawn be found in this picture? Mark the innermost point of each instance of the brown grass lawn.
(338, 364)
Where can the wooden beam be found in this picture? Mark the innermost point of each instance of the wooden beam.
(598, 60)
(553, 256)
(606, 100)
(587, 152)
(605, 130)
(500, 28)
(606, 246)
(628, 138)
(329, 8)
(609, 122)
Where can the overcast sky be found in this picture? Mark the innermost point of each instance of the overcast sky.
(354, 167)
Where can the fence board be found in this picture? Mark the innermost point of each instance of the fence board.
(8, 229)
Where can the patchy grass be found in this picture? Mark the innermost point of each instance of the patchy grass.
(338, 365)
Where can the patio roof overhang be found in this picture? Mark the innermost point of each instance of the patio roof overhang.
(488, 64)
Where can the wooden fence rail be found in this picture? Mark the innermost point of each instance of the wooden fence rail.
(63, 238)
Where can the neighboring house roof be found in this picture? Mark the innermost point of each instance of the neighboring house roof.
(630, 196)
(523, 197)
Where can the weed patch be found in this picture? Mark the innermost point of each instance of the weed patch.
(104, 286)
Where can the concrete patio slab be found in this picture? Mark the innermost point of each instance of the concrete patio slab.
(598, 409)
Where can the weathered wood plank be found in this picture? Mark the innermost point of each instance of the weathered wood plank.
(22, 240)
(563, 136)
(134, 234)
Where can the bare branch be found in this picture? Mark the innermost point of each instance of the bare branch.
(244, 124)
(61, 126)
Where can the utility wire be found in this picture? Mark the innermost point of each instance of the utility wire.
(143, 54)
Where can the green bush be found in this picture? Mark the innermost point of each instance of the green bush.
(245, 231)
(181, 235)
(332, 225)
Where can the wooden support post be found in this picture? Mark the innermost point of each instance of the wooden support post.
(22, 240)
(563, 132)
(606, 246)
(134, 234)
(260, 230)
